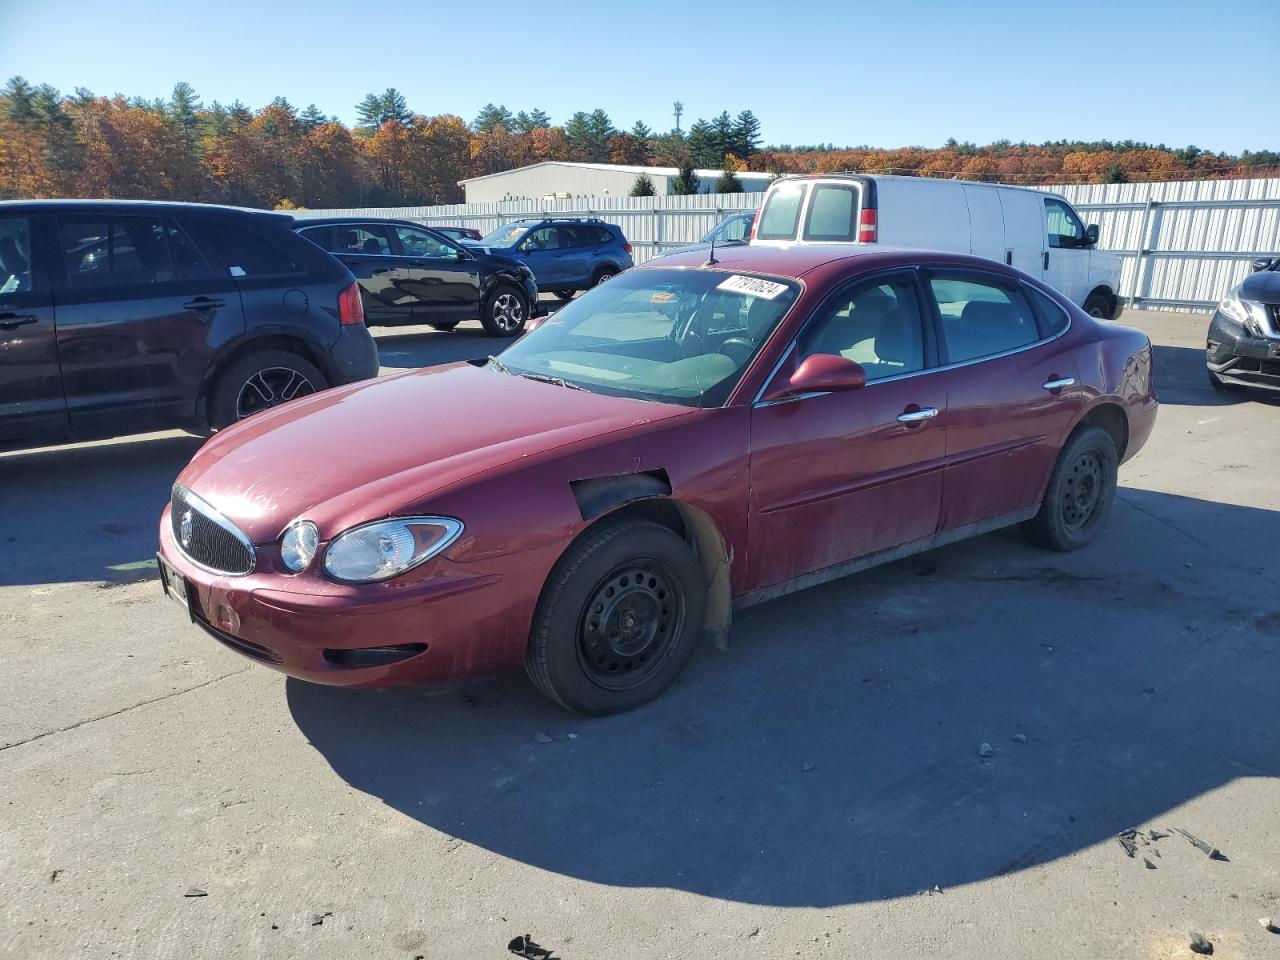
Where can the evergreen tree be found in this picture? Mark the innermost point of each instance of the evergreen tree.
(184, 104)
(702, 146)
(746, 135)
(17, 96)
(685, 182)
(369, 110)
(723, 138)
(643, 187)
(491, 117)
(240, 115)
(600, 129)
(312, 117)
(395, 107)
(284, 105)
(728, 182)
(1115, 173)
(523, 123)
(541, 119)
(216, 120)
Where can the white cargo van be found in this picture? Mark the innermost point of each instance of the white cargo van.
(1035, 231)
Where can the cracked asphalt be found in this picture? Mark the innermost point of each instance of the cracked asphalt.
(815, 791)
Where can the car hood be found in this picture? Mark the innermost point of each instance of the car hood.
(1263, 286)
(376, 448)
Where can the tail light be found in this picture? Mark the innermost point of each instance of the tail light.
(755, 222)
(626, 247)
(867, 225)
(350, 307)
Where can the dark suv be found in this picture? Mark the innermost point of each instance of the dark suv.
(122, 317)
(1243, 346)
(409, 273)
(564, 255)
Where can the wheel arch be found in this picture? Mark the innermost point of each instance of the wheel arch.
(603, 501)
(274, 341)
(1110, 416)
(1113, 301)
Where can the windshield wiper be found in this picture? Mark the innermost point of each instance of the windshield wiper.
(498, 365)
(546, 378)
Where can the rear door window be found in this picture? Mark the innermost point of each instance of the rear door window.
(833, 214)
(419, 243)
(247, 252)
(15, 258)
(781, 215)
(981, 319)
(115, 252)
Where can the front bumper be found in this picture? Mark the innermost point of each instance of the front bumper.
(536, 307)
(455, 623)
(1237, 356)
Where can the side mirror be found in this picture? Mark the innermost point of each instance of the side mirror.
(1262, 263)
(821, 373)
(1091, 234)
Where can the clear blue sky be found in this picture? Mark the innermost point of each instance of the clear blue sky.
(886, 74)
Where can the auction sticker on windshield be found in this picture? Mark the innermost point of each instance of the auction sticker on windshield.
(753, 287)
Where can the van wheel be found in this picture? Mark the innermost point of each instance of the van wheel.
(1080, 493)
(505, 311)
(619, 618)
(1097, 306)
(259, 382)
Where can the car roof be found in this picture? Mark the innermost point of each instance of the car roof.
(337, 221)
(797, 260)
(133, 206)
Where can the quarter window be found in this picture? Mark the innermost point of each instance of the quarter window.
(833, 214)
(246, 252)
(1064, 227)
(1055, 319)
(15, 257)
(982, 319)
(877, 326)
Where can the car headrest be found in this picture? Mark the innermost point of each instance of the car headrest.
(372, 245)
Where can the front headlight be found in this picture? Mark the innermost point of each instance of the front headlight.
(387, 548)
(1247, 313)
(298, 545)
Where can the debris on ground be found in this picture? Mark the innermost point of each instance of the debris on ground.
(541, 737)
(929, 892)
(1269, 925)
(1019, 738)
(985, 751)
(1157, 834)
(195, 892)
(1149, 865)
(318, 918)
(1212, 852)
(525, 947)
(53, 877)
(1199, 944)
(1128, 840)
(755, 932)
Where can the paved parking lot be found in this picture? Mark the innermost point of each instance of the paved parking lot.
(814, 791)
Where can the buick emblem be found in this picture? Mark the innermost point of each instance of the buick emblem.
(184, 529)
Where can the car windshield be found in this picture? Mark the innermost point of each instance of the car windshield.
(507, 235)
(672, 336)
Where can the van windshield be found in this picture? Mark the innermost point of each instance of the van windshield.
(781, 214)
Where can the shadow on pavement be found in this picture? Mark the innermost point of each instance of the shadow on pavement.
(1182, 380)
(831, 756)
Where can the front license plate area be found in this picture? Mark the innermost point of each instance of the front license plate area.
(174, 583)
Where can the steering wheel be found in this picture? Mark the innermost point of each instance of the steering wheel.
(738, 349)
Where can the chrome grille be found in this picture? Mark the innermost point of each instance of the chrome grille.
(206, 537)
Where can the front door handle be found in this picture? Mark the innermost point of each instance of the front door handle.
(203, 303)
(1046, 259)
(1054, 384)
(917, 415)
(12, 321)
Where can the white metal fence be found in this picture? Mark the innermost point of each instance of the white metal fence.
(1183, 244)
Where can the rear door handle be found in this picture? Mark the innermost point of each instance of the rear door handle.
(916, 416)
(1054, 384)
(203, 303)
(12, 321)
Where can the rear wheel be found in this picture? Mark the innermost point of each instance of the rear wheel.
(259, 382)
(444, 324)
(505, 311)
(565, 294)
(1096, 305)
(618, 620)
(604, 274)
(1080, 492)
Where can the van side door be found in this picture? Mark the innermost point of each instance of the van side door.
(986, 223)
(1068, 251)
(1024, 236)
(32, 407)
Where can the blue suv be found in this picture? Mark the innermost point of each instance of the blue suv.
(565, 255)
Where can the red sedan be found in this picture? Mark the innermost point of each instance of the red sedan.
(688, 439)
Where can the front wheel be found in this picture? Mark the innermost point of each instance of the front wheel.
(619, 618)
(1097, 306)
(1080, 493)
(259, 382)
(505, 311)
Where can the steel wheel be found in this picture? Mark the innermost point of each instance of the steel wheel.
(270, 387)
(1082, 490)
(628, 626)
(507, 312)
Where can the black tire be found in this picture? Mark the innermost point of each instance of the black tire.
(565, 294)
(1223, 386)
(604, 274)
(504, 311)
(647, 588)
(241, 390)
(1081, 490)
(445, 325)
(1097, 305)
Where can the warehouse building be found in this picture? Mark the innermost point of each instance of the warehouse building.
(555, 179)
